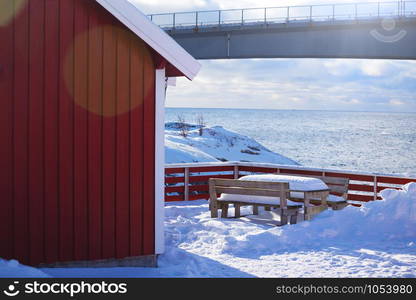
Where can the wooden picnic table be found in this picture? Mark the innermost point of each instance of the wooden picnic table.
(256, 190)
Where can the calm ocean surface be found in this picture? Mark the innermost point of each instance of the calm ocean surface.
(363, 141)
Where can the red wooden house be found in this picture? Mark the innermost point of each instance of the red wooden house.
(82, 89)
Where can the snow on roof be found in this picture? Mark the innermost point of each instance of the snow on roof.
(155, 37)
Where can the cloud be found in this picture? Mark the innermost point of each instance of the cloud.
(375, 68)
(348, 67)
(396, 102)
(354, 101)
(293, 84)
(341, 67)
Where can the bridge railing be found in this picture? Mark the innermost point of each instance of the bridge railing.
(186, 182)
(275, 15)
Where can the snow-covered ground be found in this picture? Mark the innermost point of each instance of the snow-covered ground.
(13, 269)
(216, 144)
(378, 240)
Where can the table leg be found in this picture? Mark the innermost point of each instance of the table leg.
(324, 197)
(237, 210)
(283, 217)
(306, 206)
(307, 199)
(283, 203)
(224, 211)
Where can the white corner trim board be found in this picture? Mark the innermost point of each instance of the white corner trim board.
(155, 37)
(160, 161)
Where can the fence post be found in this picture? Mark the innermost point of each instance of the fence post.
(236, 172)
(378, 10)
(174, 20)
(219, 18)
(310, 13)
(242, 17)
(402, 8)
(288, 14)
(356, 11)
(196, 19)
(265, 16)
(398, 8)
(375, 187)
(186, 185)
(228, 45)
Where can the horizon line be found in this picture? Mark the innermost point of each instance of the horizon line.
(289, 109)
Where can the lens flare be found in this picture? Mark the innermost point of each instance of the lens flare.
(85, 59)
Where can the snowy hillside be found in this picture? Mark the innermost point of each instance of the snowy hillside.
(215, 144)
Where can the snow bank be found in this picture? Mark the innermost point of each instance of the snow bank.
(376, 241)
(389, 221)
(215, 144)
(12, 269)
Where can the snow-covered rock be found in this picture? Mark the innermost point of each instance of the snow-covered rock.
(215, 144)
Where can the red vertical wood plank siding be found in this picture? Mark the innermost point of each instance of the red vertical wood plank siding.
(136, 145)
(122, 145)
(80, 48)
(66, 132)
(21, 103)
(36, 131)
(6, 131)
(77, 129)
(51, 130)
(95, 70)
(149, 158)
(109, 139)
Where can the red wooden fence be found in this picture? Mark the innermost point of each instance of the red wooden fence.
(190, 181)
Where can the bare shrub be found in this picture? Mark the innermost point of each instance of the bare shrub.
(200, 120)
(183, 127)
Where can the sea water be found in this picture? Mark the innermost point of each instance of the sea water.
(359, 141)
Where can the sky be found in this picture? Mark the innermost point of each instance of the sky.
(300, 84)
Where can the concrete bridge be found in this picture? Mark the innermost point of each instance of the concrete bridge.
(376, 30)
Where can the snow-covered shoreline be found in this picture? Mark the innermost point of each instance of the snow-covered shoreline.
(214, 145)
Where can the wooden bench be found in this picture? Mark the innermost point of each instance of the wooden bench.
(278, 190)
(337, 187)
